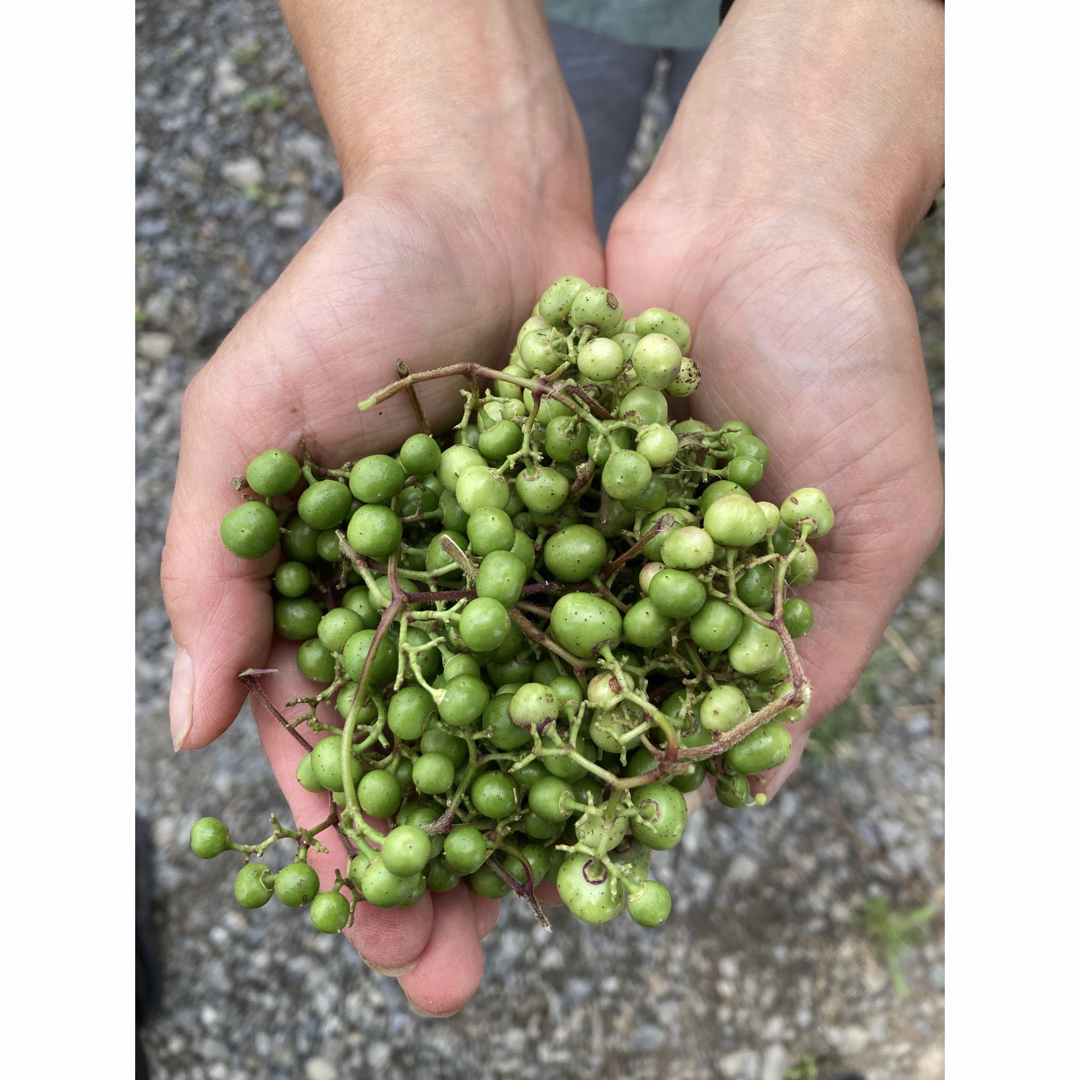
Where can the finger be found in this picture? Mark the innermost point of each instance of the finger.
(697, 798)
(451, 966)
(547, 893)
(390, 940)
(486, 911)
(219, 605)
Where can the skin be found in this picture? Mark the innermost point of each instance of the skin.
(466, 193)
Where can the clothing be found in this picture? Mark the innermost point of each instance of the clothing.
(670, 24)
(608, 81)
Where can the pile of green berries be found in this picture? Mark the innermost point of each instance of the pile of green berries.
(538, 633)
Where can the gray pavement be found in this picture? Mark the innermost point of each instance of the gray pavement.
(760, 962)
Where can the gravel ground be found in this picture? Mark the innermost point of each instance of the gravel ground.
(761, 961)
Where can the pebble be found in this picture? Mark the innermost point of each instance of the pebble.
(244, 173)
(775, 1062)
(847, 1041)
(319, 1068)
(741, 1065)
(155, 347)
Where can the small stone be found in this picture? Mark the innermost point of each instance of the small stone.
(244, 173)
(648, 1039)
(289, 219)
(155, 347)
(226, 81)
(875, 977)
(378, 1055)
(931, 1066)
(320, 1069)
(742, 1065)
(848, 1041)
(741, 869)
(157, 309)
(774, 1029)
(775, 1062)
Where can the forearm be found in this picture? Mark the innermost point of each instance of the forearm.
(437, 89)
(835, 107)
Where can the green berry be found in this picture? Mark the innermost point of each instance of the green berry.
(297, 619)
(274, 472)
(324, 505)
(465, 849)
(627, 473)
(601, 359)
(329, 912)
(798, 617)
(305, 775)
(463, 700)
(433, 773)
(250, 531)
(735, 521)
(296, 885)
(292, 579)
(501, 577)
(409, 710)
(492, 795)
(378, 478)
(209, 837)
(645, 627)
(663, 816)
(575, 553)
(406, 850)
(480, 488)
(487, 883)
(651, 905)
(582, 623)
(677, 593)
(687, 548)
(383, 888)
(326, 764)
(656, 359)
(724, 707)
(252, 888)
(715, 625)
(588, 890)
(764, 748)
(374, 531)
(484, 624)
(420, 455)
(379, 793)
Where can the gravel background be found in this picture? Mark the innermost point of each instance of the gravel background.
(760, 962)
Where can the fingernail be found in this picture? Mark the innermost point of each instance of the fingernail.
(393, 972)
(429, 1015)
(182, 697)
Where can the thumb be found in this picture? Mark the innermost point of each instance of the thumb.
(219, 605)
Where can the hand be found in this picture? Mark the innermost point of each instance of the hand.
(464, 199)
(774, 233)
(392, 274)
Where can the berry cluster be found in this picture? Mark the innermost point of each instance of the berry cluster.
(539, 632)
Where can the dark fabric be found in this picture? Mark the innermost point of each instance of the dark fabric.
(608, 81)
(147, 977)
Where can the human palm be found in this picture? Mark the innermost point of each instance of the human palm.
(426, 279)
(810, 337)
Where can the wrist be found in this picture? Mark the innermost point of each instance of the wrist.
(827, 111)
(468, 98)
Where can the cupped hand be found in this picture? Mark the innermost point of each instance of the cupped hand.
(804, 328)
(428, 275)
